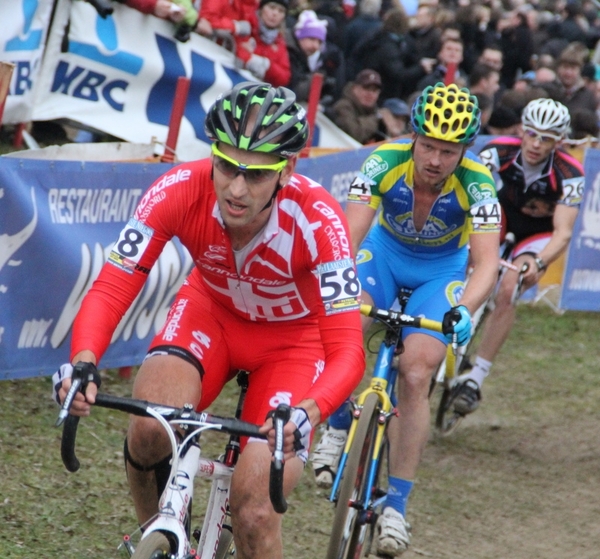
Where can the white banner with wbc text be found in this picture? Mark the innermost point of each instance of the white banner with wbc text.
(118, 75)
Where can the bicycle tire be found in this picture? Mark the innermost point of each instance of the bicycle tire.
(349, 531)
(446, 419)
(226, 547)
(153, 546)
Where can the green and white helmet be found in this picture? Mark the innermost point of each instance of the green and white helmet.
(279, 123)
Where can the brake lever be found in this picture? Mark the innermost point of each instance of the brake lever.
(66, 406)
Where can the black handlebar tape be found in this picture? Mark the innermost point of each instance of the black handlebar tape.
(280, 417)
(67, 444)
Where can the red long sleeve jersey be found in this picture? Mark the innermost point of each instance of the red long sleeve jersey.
(302, 270)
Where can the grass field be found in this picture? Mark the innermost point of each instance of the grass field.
(519, 479)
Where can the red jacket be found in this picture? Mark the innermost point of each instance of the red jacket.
(279, 73)
(222, 13)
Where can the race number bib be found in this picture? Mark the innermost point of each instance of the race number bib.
(572, 191)
(340, 288)
(489, 157)
(486, 217)
(131, 245)
(360, 189)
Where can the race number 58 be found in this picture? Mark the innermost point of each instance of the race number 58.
(339, 285)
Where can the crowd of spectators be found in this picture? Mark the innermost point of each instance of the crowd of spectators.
(375, 56)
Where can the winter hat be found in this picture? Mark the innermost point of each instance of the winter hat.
(284, 3)
(310, 26)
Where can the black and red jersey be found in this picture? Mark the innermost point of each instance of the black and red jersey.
(529, 208)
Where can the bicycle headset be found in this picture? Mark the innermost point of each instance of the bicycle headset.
(547, 115)
(446, 113)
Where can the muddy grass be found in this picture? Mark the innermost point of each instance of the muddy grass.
(520, 479)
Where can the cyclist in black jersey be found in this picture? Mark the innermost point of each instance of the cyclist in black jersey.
(540, 189)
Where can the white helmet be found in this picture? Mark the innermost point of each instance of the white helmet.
(547, 115)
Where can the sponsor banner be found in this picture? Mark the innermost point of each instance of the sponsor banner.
(58, 222)
(581, 281)
(22, 38)
(98, 73)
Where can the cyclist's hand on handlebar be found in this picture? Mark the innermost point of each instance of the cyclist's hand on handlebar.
(296, 434)
(457, 321)
(63, 379)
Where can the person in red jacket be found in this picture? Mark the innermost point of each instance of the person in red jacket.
(229, 16)
(265, 53)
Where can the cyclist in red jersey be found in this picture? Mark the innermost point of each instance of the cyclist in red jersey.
(540, 190)
(274, 291)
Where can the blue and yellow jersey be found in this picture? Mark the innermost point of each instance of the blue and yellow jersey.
(467, 202)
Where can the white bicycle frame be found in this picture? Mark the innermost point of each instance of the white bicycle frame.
(187, 464)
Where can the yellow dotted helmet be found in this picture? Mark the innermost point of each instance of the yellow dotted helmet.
(446, 113)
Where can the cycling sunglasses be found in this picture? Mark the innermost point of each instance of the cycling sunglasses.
(543, 138)
(253, 174)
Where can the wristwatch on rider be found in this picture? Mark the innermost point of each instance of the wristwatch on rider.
(541, 265)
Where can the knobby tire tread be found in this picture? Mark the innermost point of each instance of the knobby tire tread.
(153, 546)
(353, 482)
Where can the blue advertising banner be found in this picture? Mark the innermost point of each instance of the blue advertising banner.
(58, 220)
(581, 283)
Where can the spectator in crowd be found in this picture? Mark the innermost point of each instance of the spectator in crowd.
(472, 19)
(181, 12)
(570, 64)
(486, 106)
(517, 99)
(229, 17)
(338, 13)
(545, 75)
(492, 56)
(517, 46)
(356, 113)
(425, 33)
(391, 52)
(366, 22)
(584, 126)
(449, 59)
(310, 52)
(504, 121)
(572, 25)
(393, 118)
(524, 81)
(484, 79)
(163, 9)
(539, 22)
(264, 53)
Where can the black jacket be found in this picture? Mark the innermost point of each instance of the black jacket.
(394, 57)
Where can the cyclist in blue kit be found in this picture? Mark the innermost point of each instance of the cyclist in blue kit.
(437, 208)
